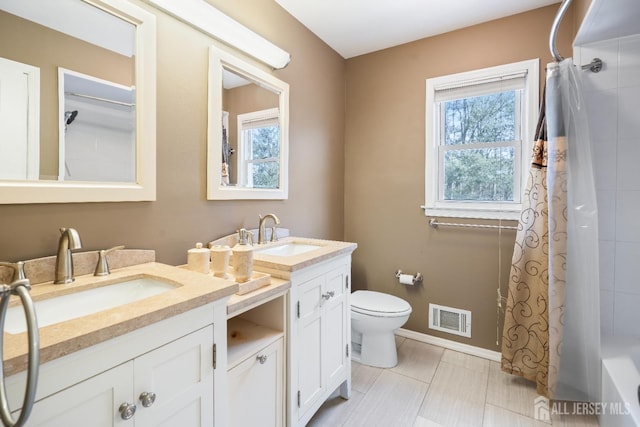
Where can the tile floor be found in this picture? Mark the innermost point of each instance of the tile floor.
(436, 387)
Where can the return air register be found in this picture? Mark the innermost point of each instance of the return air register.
(450, 320)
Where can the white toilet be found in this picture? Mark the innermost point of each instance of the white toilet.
(374, 318)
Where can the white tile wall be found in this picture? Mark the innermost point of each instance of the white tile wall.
(607, 264)
(613, 103)
(606, 312)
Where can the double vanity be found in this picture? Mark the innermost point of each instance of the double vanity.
(153, 344)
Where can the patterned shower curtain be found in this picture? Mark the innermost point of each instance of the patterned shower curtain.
(552, 328)
(525, 339)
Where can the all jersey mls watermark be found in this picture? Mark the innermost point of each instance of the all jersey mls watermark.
(543, 410)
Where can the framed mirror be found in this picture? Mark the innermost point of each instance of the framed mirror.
(82, 126)
(248, 133)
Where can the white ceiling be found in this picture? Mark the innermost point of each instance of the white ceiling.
(78, 19)
(356, 27)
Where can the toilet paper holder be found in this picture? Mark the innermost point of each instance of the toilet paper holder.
(417, 278)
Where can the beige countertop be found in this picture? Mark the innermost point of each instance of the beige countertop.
(328, 249)
(192, 290)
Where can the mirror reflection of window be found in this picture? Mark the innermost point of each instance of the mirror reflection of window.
(251, 137)
(259, 149)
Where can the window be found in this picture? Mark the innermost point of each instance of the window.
(479, 125)
(259, 149)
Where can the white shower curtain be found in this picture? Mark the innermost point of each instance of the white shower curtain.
(552, 320)
(574, 308)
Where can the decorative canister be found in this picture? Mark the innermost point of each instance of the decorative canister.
(220, 256)
(198, 259)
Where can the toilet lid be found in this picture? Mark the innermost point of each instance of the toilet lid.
(377, 302)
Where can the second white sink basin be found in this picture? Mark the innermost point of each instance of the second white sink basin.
(289, 249)
(82, 303)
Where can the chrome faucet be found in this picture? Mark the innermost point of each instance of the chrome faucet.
(69, 239)
(261, 227)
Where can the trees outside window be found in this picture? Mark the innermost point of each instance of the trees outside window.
(485, 173)
(259, 149)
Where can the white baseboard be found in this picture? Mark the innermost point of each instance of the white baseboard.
(452, 345)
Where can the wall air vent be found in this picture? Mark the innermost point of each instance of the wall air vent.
(450, 320)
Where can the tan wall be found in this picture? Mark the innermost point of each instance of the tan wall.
(33, 44)
(181, 215)
(384, 179)
(356, 175)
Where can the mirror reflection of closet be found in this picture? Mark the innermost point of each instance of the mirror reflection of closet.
(98, 135)
(248, 131)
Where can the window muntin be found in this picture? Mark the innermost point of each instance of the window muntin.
(479, 125)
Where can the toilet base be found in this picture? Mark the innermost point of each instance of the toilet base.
(379, 350)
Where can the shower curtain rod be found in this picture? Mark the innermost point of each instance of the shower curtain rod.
(554, 30)
(596, 63)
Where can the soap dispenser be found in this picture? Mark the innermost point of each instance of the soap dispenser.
(242, 256)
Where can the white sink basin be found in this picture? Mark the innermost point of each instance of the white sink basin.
(82, 303)
(289, 249)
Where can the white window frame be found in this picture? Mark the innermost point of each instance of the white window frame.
(269, 116)
(434, 154)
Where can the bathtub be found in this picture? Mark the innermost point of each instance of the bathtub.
(620, 382)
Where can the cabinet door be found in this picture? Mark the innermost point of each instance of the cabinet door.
(309, 344)
(181, 376)
(255, 387)
(336, 321)
(93, 402)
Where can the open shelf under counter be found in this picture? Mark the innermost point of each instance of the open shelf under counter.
(245, 338)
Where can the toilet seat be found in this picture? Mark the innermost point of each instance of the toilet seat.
(378, 304)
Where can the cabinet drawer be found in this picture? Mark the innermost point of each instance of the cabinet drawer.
(255, 389)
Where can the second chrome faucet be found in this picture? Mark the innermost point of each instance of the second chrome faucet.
(261, 228)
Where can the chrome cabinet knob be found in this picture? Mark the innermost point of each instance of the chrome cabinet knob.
(328, 295)
(147, 398)
(127, 410)
(261, 358)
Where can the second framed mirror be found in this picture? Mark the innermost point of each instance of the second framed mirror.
(248, 136)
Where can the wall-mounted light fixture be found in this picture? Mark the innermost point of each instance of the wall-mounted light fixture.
(210, 20)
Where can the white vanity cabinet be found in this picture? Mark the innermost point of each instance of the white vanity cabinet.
(172, 359)
(177, 379)
(320, 330)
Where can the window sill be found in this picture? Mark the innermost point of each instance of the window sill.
(512, 214)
